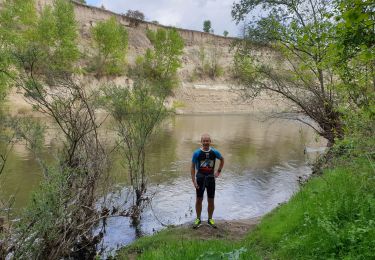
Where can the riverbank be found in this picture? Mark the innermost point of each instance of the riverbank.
(331, 217)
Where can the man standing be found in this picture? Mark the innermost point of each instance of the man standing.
(204, 163)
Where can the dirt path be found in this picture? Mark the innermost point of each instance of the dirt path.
(230, 230)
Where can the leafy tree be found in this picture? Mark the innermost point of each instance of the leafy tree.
(135, 14)
(39, 54)
(52, 36)
(56, 35)
(225, 33)
(353, 51)
(138, 113)
(161, 63)
(111, 41)
(207, 26)
(17, 18)
(302, 31)
(81, 1)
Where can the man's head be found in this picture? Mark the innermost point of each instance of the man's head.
(206, 141)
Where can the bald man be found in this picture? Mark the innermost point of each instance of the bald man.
(203, 176)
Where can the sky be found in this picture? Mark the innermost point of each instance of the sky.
(187, 14)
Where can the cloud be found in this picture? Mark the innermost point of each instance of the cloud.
(180, 13)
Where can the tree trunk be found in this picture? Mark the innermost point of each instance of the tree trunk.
(332, 126)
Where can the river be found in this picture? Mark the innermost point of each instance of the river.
(263, 163)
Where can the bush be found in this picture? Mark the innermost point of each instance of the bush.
(209, 64)
(111, 42)
(160, 64)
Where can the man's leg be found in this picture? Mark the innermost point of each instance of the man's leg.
(211, 207)
(211, 200)
(198, 207)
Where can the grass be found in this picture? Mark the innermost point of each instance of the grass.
(331, 217)
(181, 243)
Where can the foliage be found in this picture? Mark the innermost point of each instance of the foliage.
(207, 26)
(302, 31)
(68, 209)
(138, 113)
(40, 59)
(225, 33)
(209, 62)
(16, 17)
(57, 34)
(111, 41)
(354, 53)
(160, 64)
(52, 36)
(135, 14)
(332, 216)
(48, 227)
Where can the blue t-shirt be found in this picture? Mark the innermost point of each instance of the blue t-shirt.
(205, 160)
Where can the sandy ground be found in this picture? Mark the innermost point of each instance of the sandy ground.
(229, 230)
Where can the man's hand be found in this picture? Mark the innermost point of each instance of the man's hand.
(217, 174)
(195, 184)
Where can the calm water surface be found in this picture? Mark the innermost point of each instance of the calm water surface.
(263, 161)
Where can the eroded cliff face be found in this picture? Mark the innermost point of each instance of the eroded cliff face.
(215, 95)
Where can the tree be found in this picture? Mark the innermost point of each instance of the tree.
(56, 34)
(161, 63)
(353, 51)
(39, 61)
(301, 31)
(111, 42)
(225, 33)
(207, 26)
(137, 112)
(140, 110)
(16, 20)
(135, 14)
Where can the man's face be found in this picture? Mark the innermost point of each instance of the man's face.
(206, 141)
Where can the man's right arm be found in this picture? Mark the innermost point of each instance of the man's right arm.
(192, 170)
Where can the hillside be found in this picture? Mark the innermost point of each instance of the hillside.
(215, 94)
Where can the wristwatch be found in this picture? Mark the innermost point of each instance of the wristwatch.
(219, 170)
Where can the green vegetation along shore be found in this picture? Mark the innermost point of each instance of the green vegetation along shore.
(331, 217)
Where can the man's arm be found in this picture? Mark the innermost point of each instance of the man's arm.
(192, 170)
(220, 167)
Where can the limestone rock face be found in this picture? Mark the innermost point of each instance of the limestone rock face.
(193, 90)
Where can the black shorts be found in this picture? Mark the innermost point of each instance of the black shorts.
(206, 181)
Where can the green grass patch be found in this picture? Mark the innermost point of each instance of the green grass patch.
(182, 243)
(332, 217)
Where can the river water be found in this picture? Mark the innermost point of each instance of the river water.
(263, 162)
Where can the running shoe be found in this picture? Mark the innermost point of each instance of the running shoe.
(211, 223)
(197, 223)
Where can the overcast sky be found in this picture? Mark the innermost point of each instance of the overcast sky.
(180, 13)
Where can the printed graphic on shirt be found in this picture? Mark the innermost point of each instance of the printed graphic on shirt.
(205, 160)
(207, 165)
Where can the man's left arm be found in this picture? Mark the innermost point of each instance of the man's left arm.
(220, 167)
